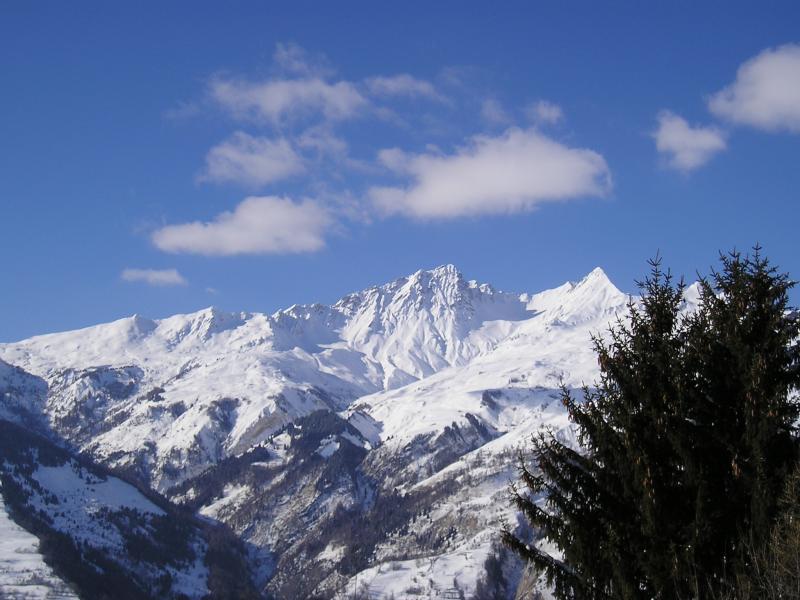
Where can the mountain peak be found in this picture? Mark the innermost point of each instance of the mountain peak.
(444, 284)
(136, 326)
(596, 276)
(574, 302)
(596, 282)
(448, 270)
(592, 296)
(442, 274)
(200, 325)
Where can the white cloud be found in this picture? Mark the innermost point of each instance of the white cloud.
(766, 92)
(251, 161)
(154, 276)
(394, 159)
(293, 59)
(515, 171)
(277, 100)
(258, 225)
(402, 85)
(493, 112)
(324, 141)
(544, 111)
(686, 147)
(321, 144)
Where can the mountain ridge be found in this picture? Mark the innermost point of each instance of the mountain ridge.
(141, 322)
(287, 426)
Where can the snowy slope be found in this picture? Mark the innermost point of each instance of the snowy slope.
(167, 397)
(102, 534)
(530, 360)
(436, 381)
(23, 572)
(97, 520)
(512, 391)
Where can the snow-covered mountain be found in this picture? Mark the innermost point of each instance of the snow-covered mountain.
(371, 439)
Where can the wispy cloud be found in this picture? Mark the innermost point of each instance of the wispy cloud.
(766, 92)
(159, 277)
(544, 112)
(277, 100)
(493, 112)
(295, 60)
(251, 161)
(295, 117)
(513, 172)
(685, 147)
(258, 225)
(402, 85)
(329, 152)
(323, 141)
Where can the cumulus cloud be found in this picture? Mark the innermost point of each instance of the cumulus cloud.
(251, 161)
(278, 100)
(493, 112)
(686, 147)
(402, 85)
(159, 277)
(766, 92)
(258, 225)
(545, 112)
(515, 171)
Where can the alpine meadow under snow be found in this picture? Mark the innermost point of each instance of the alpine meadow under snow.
(367, 443)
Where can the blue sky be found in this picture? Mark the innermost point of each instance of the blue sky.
(158, 159)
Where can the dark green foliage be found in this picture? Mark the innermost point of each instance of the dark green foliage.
(778, 575)
(687, 440)
(775, 571)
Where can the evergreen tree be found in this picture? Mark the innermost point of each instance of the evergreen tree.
(775, 570)
(777, 573)
(686, 441)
